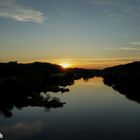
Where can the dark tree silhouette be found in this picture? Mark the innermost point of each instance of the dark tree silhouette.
(125, 79)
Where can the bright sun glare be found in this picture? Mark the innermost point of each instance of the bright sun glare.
(65, 65)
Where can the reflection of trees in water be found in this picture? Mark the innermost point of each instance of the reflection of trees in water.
(19, 94)
(86, 79)
(9, 102)
(125, 79)
(21, 84)
(130, 89)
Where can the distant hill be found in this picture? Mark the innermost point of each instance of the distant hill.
(18, 69)
(130, 67)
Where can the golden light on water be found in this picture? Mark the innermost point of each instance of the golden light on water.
(65, 65)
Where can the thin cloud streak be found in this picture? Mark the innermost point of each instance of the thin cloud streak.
(130, 49)
(136, 43)
(92, 59)
(123, 48)
(10, 9)
(93, 63)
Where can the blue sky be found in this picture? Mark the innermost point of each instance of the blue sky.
(45, 30)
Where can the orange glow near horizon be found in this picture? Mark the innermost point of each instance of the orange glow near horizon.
(83, 63)
(88, 63)
(95, 64)
(65, 65)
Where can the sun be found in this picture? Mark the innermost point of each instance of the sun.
(65, 65)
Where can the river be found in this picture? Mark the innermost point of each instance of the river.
(93, 111)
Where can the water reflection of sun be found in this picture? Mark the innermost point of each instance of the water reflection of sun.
(65, 65)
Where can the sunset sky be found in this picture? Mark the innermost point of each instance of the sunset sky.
(83, 33)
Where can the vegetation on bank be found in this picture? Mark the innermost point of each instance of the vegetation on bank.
(23, 85)
(125, 79)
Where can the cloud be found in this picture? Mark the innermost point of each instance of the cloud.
(130, 49)
(122, 48)
(136, 43)
(12, 10)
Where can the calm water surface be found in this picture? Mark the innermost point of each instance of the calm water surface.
(92, 111)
